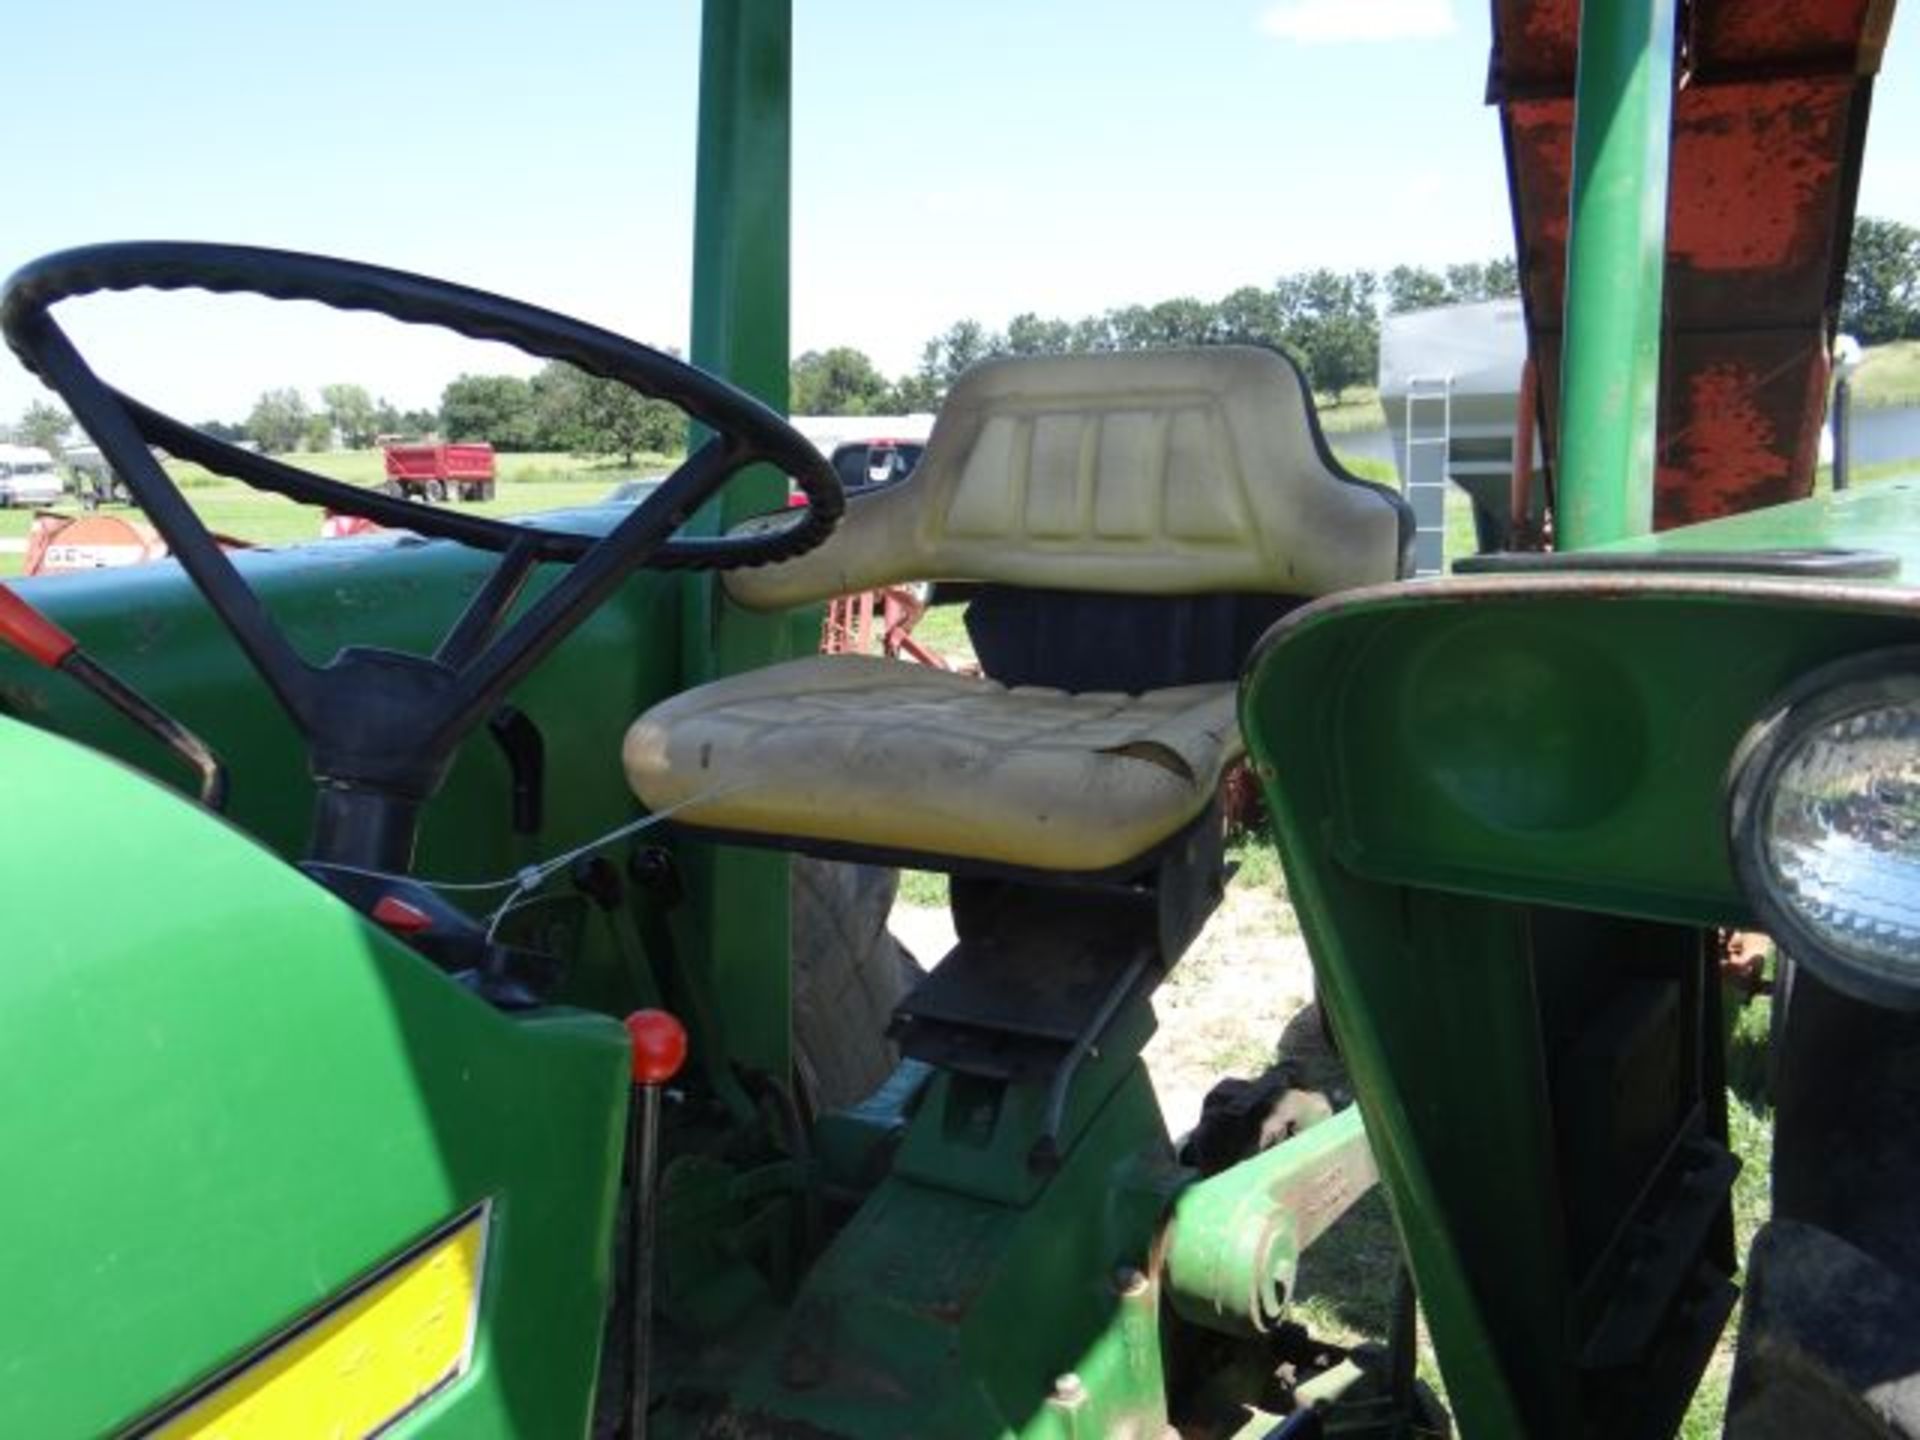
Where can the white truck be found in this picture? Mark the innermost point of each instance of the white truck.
(27, 476)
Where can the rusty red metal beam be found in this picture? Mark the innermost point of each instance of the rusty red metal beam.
(1768, 131)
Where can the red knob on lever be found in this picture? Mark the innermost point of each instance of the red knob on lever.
(31, 633)
(659, 1050)
(659, 1046)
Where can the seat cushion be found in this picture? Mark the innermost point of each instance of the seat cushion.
(882, 755)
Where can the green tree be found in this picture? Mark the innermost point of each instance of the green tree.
(231, 431)
(1028, 334)
(946, 357)
(278, 421)
(1181, 321)
(45, 425)
(1250, 316)
(615, 419)
(1415, 287)
(1130, 327)
(496, 408)
(915, 394)
(1492, 280)
(1333, 321)
(1092, 334)
(351, 414)
(1502, 278)
(840, 381)
(387, 419)
(572, 410)
(1881, 301)
(559, 408)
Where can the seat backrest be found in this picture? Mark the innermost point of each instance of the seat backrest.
(1169, 472)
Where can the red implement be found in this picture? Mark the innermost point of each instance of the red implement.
(464, 471)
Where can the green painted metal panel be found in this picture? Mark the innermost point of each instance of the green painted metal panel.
(152, 628)
(223, 1112)
(736, 930)
(1883, 517)
(1237, 1236)
(1524, 739)
(741, 215)
(942, 1314)
(1616, 268)
(1441, 760)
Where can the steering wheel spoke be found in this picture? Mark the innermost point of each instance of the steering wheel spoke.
(188, 539)
(489, 604)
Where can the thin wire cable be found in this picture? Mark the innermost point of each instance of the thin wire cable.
(532, 877)
(447, 885)
(544, 868)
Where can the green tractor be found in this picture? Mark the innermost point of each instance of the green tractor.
(496, 1036)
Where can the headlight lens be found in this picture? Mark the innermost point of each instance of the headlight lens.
(1826, 825)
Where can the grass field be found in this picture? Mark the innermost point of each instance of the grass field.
(1358, 409)
(1889, 375)
(364, 467)
(527, 483)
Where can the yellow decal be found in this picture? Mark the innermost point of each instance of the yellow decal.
(360, 1364)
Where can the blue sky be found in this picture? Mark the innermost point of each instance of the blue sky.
(961, 160)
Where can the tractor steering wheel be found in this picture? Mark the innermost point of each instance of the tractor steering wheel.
(382, 727)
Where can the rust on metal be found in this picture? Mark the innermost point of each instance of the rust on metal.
(1756, 169)
(1835, 33)
(1766, 152)
(1535, 42)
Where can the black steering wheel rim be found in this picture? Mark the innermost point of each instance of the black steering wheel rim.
(348, 285)
(381, 728)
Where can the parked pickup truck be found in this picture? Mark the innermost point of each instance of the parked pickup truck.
(438, 470)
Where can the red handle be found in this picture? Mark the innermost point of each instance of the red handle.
(659, 1046)
(32, 633)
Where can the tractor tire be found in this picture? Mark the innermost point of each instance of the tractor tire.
(848, 974)
(1830, 1332)
(436, 491)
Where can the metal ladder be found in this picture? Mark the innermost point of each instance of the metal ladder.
(1423, 466)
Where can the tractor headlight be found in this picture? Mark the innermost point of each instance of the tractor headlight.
(1824, 816)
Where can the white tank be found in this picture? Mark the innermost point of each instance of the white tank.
(1450, 389)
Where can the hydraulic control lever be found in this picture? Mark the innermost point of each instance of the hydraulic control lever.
(659, 1050)
(46, 644)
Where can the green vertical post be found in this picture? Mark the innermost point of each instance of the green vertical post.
(740, 318)
(1616, 264)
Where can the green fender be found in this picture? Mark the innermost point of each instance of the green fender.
(226, 1098)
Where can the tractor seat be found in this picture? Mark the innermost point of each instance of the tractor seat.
(924, 766)
(1134, 520)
